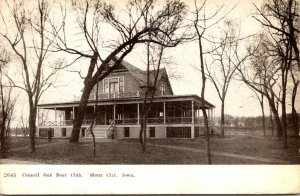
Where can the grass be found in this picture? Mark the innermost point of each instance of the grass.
(60, 151)
(245, 145)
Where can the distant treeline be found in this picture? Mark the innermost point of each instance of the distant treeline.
(252, 122)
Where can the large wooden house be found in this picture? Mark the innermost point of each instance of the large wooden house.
(119, 105)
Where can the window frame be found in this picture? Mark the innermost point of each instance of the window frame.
(126, 130)
(162, 89)
(152, 130)
(106, 84)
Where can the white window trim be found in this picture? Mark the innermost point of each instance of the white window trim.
(108, 81)
(162, 86)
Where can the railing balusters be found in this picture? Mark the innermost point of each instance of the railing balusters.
(131, 121)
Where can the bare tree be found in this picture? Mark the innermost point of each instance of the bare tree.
(24, 123)
(260, 98)
(26, 33)
(282, 16)
(43, 117)
(225, 62)
(281, 19)
(259, 74)
(155, 60)
(295, 75)
(7, 103)
(92, 16)
(202, 23)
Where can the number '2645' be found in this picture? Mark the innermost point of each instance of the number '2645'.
(10, 175)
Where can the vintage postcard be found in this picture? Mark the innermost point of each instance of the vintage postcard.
(149, 97)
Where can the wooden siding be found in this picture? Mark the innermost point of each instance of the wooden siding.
(130, 83)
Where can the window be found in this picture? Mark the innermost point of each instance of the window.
(121, 89)
(126, 132)
(63, 132)
(162, 89)
(178, 132)
(112, 85)
(161, 114)
(105, 85)
(83, 132)
(152, 131)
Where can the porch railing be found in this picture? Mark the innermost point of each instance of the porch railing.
(121, 95)
(85, 122)
(129, 121)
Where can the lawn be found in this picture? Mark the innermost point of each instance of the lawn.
(60, 151)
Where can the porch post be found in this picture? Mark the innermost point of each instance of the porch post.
(213, 115)
(138, 113)
(95, 115)
(105, 120)
(193, 113)
(38, 116)
(55, 116)
(164, 112)
(73, 116)
(114, 112)
(193, 120)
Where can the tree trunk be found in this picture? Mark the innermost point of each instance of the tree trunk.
(81, 111)
(32, 127)
(3, 153)
(271, 121)
(284, 124)
(203, 77)
(277, 120)
(222, 119)
(263, 114)
(295, 118)
(142, 134)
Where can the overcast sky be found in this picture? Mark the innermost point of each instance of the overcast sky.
(240, 100)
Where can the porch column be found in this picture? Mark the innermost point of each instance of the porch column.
(114, 112)
(95, 115)
(213, 115)
(138, 113)
(38, 117)
(164, 112)
(193, 113)
(105, 120)
(73, 115)
(193, 120)
(55, 116)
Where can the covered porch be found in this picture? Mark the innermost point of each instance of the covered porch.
(171, 112)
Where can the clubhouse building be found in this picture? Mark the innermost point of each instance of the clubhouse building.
(119, 105)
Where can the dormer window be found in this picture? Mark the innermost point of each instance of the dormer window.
(162, 89)
(113, 85)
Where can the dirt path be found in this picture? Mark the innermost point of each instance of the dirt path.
(248, 157)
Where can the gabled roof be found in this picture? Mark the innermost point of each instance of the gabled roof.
(141, 76)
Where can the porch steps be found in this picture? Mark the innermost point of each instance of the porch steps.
(99, 132)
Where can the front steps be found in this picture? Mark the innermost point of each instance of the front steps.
(100, 131)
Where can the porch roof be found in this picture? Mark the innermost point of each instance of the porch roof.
(129, 100)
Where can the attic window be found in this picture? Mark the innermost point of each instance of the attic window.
(113, 84)
(162, 89)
